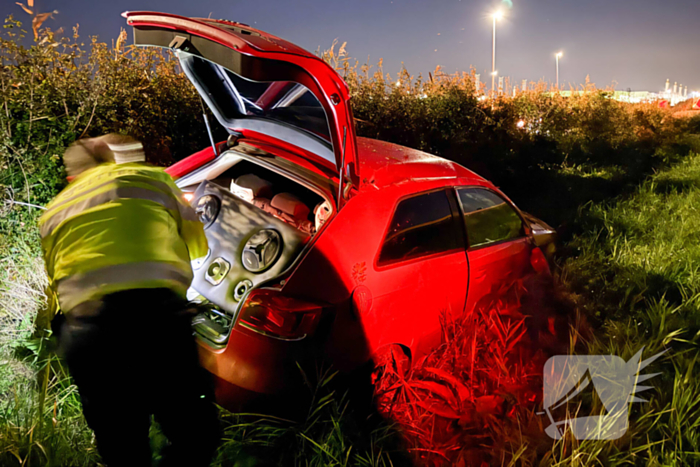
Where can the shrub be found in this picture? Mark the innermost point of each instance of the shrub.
(51, 94)
(55, 92)
(568, 152)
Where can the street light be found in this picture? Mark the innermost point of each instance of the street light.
(494, 74)
(498, 15)
(558, 55)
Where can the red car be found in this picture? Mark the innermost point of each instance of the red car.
(320, 241)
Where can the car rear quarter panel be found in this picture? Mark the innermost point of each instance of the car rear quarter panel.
(253, 362)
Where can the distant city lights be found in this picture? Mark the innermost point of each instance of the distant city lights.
(673, 94)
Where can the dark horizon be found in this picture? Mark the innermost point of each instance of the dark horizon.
(631, 44)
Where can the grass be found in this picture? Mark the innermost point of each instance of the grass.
(641, 255)
(41, 421)
(335, 432)
(629, 263)
(636, 267)
(632, 269)
(47, 430)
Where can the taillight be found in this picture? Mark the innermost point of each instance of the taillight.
(270, 312)
(539, 261)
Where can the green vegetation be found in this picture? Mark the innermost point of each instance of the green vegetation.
(55, 92)
(636, 267)
(621, 181)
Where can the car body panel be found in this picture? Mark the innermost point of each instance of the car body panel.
(373, 306)
(239, 362)
(401, 302)
(191, 163)
(412, 297)
(494, 269)
(384, 164)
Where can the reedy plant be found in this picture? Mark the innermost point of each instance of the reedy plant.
(633, 266)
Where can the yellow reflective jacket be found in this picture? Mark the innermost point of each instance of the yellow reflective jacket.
(119, 227)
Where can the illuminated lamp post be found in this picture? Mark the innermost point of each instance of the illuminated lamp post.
(558, 56)
(496, 17)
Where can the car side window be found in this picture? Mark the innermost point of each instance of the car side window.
(422, 225)
(488, 217)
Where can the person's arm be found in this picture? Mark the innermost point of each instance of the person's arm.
(50, 308)
(190, 228)
(192, 232)
(46, 314)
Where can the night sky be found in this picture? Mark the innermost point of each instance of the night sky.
(636, 44)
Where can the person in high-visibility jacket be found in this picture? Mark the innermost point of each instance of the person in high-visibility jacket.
(118, 243)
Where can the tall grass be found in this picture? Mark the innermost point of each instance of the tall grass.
(334, 432)
(629, 260)
(52, 93)
(42, 421)
(636, 267)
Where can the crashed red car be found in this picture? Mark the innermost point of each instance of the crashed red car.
(322, 242)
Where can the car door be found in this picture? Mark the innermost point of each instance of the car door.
(421, 272)
(498, 249)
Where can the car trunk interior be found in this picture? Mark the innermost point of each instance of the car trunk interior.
(262, 224)
(259, 212)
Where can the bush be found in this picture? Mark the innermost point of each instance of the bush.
(552, 154)
(568, 150)
(55, 92)
(51, 94)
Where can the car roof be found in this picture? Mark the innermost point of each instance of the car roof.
(384, 164)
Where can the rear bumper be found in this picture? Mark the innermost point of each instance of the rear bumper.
(254, 369)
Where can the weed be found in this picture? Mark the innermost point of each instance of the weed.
(629, 259)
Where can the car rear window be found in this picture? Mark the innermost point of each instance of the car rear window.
(282, 101)
(421, 225)
(488, 217)
(294, 103)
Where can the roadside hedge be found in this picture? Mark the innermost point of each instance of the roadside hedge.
(551, 154)
(61, 89)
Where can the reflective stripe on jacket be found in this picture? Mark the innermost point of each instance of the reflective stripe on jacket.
(119, 227)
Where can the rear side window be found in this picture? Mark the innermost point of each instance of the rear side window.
(488, 218)
(422, 225)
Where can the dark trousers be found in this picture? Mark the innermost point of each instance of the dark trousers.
(132, 355)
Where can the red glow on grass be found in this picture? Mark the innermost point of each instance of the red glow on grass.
(466, 401)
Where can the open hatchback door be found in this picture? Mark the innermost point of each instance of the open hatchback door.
(256, 83)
